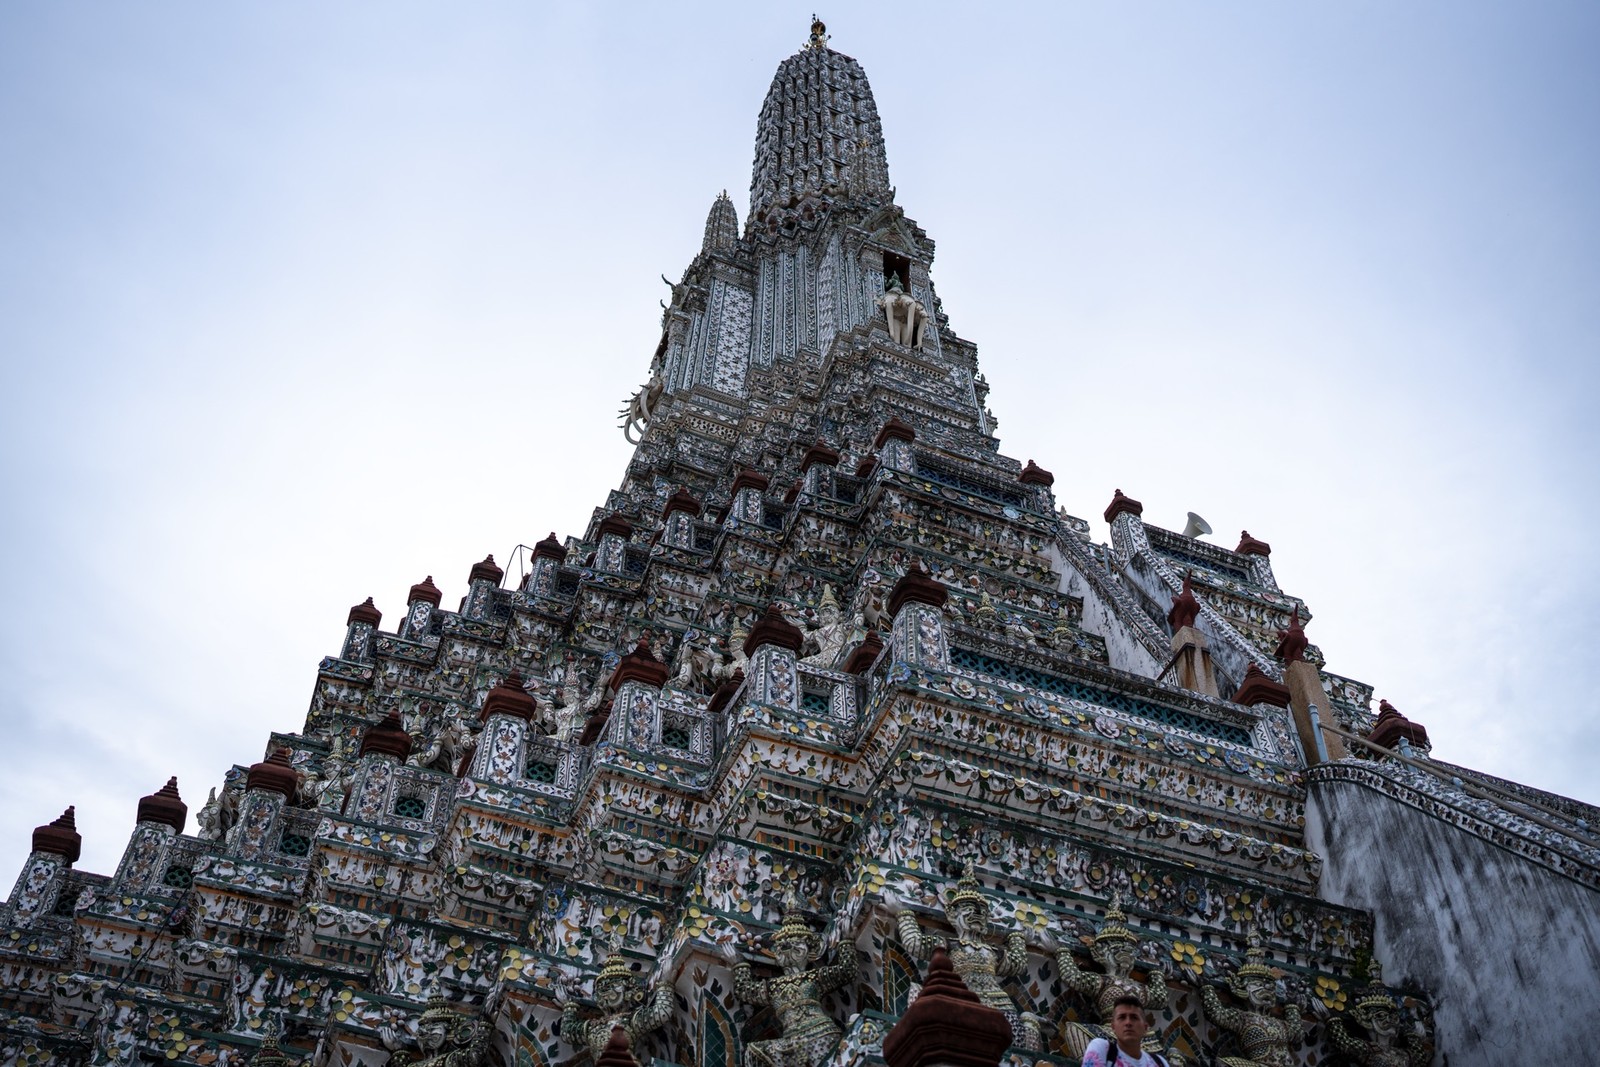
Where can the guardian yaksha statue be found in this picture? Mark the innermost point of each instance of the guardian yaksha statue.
(618, 994)
(980, 964)
(1113, 949)
(832, 632)
(444, 1038)
(1377, 1014)
(1266, 1038)
(796, 994)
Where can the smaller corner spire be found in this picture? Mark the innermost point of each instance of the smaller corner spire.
(722, 226)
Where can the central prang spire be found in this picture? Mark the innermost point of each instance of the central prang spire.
(818, 133)
(824, 252)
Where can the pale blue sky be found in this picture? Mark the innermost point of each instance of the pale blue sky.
(299, 303)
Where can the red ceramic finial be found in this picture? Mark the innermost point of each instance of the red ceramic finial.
(60, 837)
(680, 500)
(509, 697)
(387, 738)
(773, 629)
(275, 774)
(1251, 546)
(550, 548)
(617, 1052)
(725, 691)
(1260, 689)
(1185, 608)
(1391, 726)
(916, 587)
(1121, 503)
(640, 665)
(366, 612)
(819, 453)
(1033, 474)
(1292, 642)
(865, 654)
(946, 1024)
(748, 479)
(425, 590)
(896, 429)
(164, 806)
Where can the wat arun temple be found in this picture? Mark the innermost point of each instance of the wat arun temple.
(832, 741)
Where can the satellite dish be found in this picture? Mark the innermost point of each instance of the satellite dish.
(1196, 527)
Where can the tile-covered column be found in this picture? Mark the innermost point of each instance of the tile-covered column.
(360, 627)
(615, 533)
(421, 603)
(678, 515)
(916, 604)
(383, 748)
(772, 673)
(548, 556)
(1037, 483)
(1191, 652)
(508, 711)
(893, 445)
(636, 683)
(1306, 693)
(267, 789)
(482, 581)
(816, 470)
(56, 847)
(747, 489)
(1258, 554)
(159, 820)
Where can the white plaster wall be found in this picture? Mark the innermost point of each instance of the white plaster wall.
(1509, 949)
(1101, 618)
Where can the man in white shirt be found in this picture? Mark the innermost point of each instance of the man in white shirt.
(1129, 1026)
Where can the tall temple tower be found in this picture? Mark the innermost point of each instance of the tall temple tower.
(831, 740)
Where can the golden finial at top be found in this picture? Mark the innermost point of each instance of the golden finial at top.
(819, 33)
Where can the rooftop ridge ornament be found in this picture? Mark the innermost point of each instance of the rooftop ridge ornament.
(1185, 607)
(818, 39)
(1292, 642)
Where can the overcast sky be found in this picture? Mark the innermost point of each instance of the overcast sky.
(302, 302)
